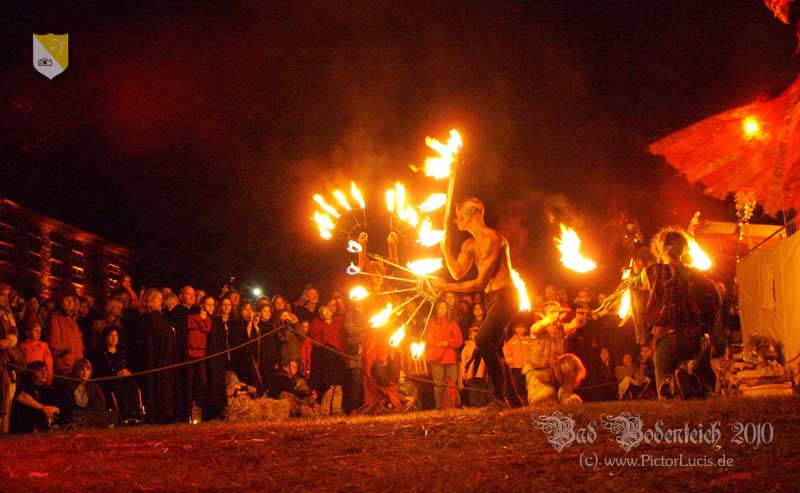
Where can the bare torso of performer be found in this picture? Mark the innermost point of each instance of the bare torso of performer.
(489, 251)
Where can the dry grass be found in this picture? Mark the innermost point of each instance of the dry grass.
(466, 450)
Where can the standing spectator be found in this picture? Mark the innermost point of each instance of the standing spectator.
(329, 367)
(473, 373)
(244, 362)
(219, 341)
(269, 346)
(159, 352)
(37, 350)
(199, 326)
(112, 318)
(515, 351)
(355, 330)
(8, 342)
(179, 318)
(290, 340)
(442, 339)
(307, 310)
(66, 340)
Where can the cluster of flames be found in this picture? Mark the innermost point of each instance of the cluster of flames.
(326, 221)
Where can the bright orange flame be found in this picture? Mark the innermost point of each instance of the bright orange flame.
(751, 127)
(425, 266)
(354, 247)
(381, 317)
(397, 337)
(409, 215)
(429, 237)
(400, 195)
(700, 260)
(390, 200)
(570, 245)
(524, 300)
(352, 269)
(356, 193)
(358, 293)
(330, 210)
(326, 234)
(625, 304)
(435, 201)
(417, 350)
(342, 199)
(323, 220)
(440, 167)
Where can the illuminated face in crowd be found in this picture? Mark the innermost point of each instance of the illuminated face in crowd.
(450, 299)
(441, 309)
(187, 296)
(208, 305)
(312, 295)
(226, 307)
(265, 313)
(478, 312)
(36, 332)
(247, 312)
(236, 298)
(112, 339)
(326, 314)
(85, 372)
(68, 305)
(154, 303)
(279, 303)
(519, 330)
(627, 360)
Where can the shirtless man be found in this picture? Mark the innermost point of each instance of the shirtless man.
(489, 251)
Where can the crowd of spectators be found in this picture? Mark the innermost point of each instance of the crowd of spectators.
(159, 356)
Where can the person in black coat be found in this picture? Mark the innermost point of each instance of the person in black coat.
(218, 341)
(158, 352)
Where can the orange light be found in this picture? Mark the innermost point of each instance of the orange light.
(524, 300)
(358, 293)
(429, 237)
(751, 127)
(356, 193)
(570, 245)
(417, 349)
(440, 167)
(330, 210)
(381, 317)
(425, 266)
(700, 260)
(397, 337)
(434, 202)
(342, 200)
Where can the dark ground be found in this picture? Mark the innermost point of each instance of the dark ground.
(466, 450)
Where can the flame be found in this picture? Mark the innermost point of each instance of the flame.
(342, 199)
(440, 167)
(330, 210)
(429, 237)
(570, 245)
(435, 201)
(324, 224)
(381, 317)
(751, 127)
(326, 234)
(400, 196)
(390, 200)
(358, 293)
(417, 349)
(425, 266)
(356, 193)
(398, 336)
(524, 300)
(700, 260)
(352, 269)
(409, 215)
(625, 304)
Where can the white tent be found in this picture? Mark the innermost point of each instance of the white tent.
(769, 293)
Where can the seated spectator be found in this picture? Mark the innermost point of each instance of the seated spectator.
(290, 386)
(604, 374)
(83, 402)
(35, 401)
(113, 361)
(37, 350)
(629, 378)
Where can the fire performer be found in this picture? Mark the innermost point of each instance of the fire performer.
(682, 306)
(489, 251)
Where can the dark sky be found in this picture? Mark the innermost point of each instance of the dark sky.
(196, 134)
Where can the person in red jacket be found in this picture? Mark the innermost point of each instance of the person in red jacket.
(442, 340)
(199, 326)
(66, 339)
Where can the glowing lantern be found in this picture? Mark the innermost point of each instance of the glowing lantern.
(570, 245)
(751, 127)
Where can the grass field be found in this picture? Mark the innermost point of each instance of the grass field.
(465, 450)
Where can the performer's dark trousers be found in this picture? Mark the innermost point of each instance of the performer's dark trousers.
(501, 306)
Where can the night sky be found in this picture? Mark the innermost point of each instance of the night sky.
(197, 134)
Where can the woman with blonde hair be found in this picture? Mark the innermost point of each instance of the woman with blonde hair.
(158, 351)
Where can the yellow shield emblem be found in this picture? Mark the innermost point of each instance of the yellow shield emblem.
(50, 53)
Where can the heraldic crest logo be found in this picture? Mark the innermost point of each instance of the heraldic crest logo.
(50, 53)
